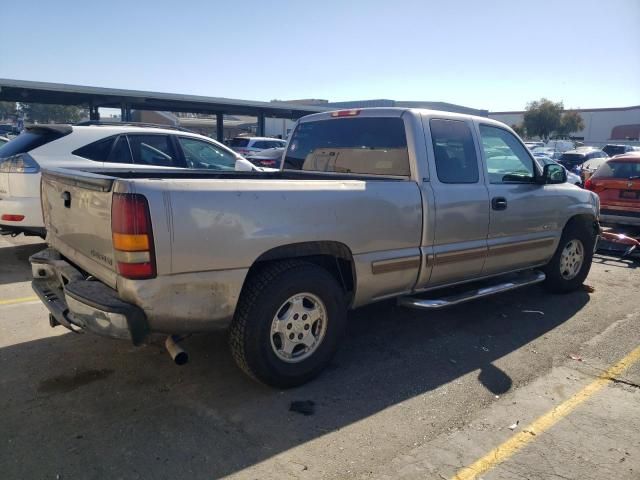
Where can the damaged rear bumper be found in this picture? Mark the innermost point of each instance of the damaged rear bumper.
(81, 304)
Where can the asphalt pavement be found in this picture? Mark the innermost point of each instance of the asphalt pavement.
(410, 394)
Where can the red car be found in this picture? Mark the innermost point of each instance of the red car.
(617, 183)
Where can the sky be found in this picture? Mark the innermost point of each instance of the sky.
(489, 54)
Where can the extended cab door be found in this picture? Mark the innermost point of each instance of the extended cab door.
(457, 247)
(523, 227)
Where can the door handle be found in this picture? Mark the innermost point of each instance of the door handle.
(66, 197)
(499, 203)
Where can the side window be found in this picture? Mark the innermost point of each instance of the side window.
(200, 154)
(260, 144)
(455, 153)
(97, 151)
(507, 159)
(153, 150)
(120, 153)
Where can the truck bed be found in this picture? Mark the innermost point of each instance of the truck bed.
(205, 221)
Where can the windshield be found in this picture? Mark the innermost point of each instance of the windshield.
(239, 142)
(571, 160)
(612, 150)
(375, 146)
(201, 154)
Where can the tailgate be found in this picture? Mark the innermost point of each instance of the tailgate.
(77, 214)
(620, 192)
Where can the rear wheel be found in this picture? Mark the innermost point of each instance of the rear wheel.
(571, 262)
(288, 323)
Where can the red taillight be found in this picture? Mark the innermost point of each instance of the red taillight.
(132, 236)
(588, 184)
(12, 218)
(136, 271)
(346, 113)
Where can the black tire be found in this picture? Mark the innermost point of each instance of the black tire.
(555, 282)
(263, 294)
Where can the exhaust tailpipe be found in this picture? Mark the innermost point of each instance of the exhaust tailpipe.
(179, 356)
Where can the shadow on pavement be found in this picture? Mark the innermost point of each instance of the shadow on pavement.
(14, 262)
(88, 407)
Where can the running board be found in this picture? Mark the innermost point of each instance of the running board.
(521, 280)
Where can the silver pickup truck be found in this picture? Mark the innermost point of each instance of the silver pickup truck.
(369, 204)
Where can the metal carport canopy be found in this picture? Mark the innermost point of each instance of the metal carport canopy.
(64, 94)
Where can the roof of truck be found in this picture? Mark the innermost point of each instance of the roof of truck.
(396, 112)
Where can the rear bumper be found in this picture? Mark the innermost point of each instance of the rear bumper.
(27, 206)
(80, 304)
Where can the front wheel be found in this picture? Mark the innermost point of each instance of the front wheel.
(571, 262)
(288, 323)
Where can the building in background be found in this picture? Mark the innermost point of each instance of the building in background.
(601, 125)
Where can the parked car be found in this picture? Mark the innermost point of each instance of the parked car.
(7, 130)
(87, 146)
(532, 145)
(269, 158)
(561, 145)
(370, 204)
(588, 168)
(613, 150)
(546, 152)
(3, 140)
(617, 183)
(574, 158)
(250, 145)
(572, 178)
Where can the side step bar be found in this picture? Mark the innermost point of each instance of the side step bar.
(522, 280)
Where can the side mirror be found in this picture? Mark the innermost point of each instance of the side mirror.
(553, 173)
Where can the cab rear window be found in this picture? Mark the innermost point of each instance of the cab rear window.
(368, 146)
(629, 170)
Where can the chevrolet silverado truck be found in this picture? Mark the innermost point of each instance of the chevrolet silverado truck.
(368, 204)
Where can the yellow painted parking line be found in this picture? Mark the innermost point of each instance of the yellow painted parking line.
(13, 301)
(545, 422)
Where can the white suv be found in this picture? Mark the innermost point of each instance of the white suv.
(95, 145)
(249, 145)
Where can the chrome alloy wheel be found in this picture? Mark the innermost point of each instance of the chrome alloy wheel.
(298, 328)
(571, 259)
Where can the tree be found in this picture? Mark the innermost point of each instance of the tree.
(570, 122)
(7, 109)
(43, 113)
(519, 129)
(542, 118)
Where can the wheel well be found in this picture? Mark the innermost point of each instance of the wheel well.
(335, 257)
(584, 220)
